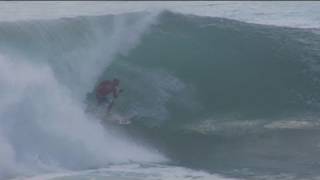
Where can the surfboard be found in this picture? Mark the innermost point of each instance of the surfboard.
(119, 119)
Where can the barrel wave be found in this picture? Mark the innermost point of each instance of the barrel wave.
(220, 94)
(217, 68)
(207, 93)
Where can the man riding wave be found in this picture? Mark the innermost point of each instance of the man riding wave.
(107, 91)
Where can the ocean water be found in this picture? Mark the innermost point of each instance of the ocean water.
(211, 93)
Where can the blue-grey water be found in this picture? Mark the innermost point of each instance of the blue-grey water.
(207, 97)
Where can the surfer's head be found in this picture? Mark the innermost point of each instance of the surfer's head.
(116, 82)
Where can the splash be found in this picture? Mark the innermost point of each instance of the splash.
(43, 126)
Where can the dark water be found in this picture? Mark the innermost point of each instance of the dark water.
(226, 96)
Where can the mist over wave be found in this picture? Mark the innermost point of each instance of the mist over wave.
(46, 69)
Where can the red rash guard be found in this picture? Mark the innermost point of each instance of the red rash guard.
(105, 88)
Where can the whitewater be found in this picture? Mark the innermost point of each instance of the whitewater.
(216, 90)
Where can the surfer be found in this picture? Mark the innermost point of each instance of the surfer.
(104, 91)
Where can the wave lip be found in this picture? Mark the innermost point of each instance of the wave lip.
(290, 14)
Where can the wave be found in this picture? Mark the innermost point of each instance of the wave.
(46, 69)
(220, 94)
(196, 68)
(212, 93)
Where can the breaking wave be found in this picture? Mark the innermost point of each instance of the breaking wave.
(210, 93)
(46, 69)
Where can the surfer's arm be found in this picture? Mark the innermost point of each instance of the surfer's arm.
(116, 92)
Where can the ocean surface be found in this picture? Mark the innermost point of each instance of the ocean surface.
(213, 90)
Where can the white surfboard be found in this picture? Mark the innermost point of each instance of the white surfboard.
(119, 119)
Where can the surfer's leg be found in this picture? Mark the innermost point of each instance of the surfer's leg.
(110, 106)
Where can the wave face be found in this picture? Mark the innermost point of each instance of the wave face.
(210, 93)
(223, 94)
(196, 68)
